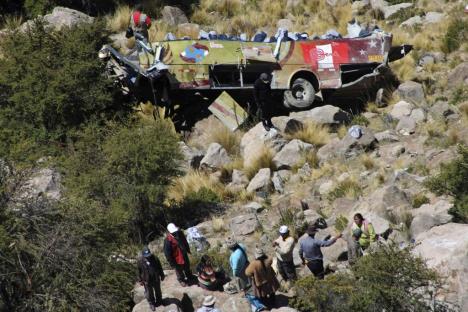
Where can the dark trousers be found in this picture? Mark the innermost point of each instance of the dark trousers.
(153, 292)
(183, 272)
(269, 301)
(264, 114)
(287, 270)
(316, 267)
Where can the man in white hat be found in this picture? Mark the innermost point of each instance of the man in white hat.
(284, 246)
(208, 305)
(176, 250)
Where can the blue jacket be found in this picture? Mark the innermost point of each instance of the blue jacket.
(310, 248)
(238, 261)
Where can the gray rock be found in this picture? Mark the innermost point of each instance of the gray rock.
(143, 306)
(254, 207)
(287, 124)
(458, 75)
(291, 154)
(335, 3)
(285, 23)
(256, 140)
(326, 187)
(305, 170)
(284, 309)
(328, 151)
(429, 215)
(406, 126)
(358, 7)
(391, 10)
(173, 16)
(381, 98)
(138, 294)
(278, 182)
(387, 136)
(244, 224)
(397, 150)
(426, 59)
(192, 156)
(65, 17)
(418, 115)
(351, 147)
(401, 109)
(235, 304)
(239, 178)
(378, 4)
(412, 21)
(45, 182)
(215, 158)
(433, 17)
(412, 92)
(444, 249)
(261, 181)
(441, 109)
(325, 115)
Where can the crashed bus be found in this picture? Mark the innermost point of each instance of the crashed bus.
(298, 69)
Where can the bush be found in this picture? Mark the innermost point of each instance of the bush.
(453, 180)
(418, 200)
(389, 279)
(51, 84)
(347, 188)
(360, 120)
(457, 33)
(126, 171)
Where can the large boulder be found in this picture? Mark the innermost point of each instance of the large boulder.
(144, 306)
(173, 15)
(328, 151)
(433, 17)
(384, 201)
(234, 304)
(261, 181)
(391, 10)
(64, 17)
(411, 91)
(244, 224)
(351, 147)
(412, 21)
(378, 4)
(255, 141)
(458, 75)
(291, 154)
(287, 125)
(238, 180)
(401, 109)
(325, 115)
(445, 249)
(406, 126)
(441, 109)
(387, 136)
(429, 215)
(216, 157)
(45, 182)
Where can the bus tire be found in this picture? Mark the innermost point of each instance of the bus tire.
(301, 95)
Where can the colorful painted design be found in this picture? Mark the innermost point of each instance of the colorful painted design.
(325, 56)
(194, 53)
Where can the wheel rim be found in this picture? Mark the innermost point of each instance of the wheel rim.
(299, 93)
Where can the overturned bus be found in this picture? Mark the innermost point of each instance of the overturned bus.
(299, 69)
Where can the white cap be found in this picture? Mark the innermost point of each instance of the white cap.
(283, 229)
(172, 228)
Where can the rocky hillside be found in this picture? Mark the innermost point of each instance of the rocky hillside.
(80, 196)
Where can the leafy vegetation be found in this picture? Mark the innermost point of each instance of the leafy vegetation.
(389, 279)
(419, 199)
(457, 33)
(453, 180)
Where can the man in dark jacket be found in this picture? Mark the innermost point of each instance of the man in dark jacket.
(176, 250)
(150, 274)
(262, 95)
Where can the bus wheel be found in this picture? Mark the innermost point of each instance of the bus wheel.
(301, 95)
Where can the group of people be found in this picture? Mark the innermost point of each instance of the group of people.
(256, 279)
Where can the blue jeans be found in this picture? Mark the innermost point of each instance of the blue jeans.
(259, 306)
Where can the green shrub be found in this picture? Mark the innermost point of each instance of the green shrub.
(453, 180)
(341, 223)
(360, 120)
(457, 33)
(51, 84)
(389, 279)
(347, 188)
(418, 200)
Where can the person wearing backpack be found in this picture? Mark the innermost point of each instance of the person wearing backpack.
(150, 274)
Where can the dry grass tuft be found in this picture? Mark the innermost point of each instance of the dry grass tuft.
(192, 182)
(120, 20)
(218, 225)
(342, 131)
(463, 108)
(263, 160)
(315, 134)
(367, 161)
(227, 139)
